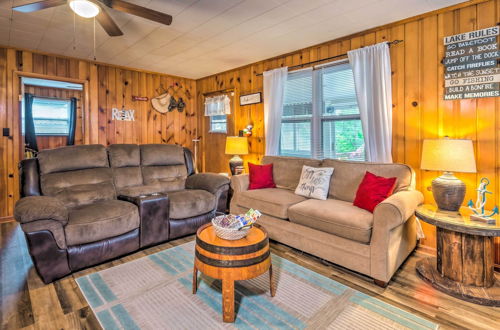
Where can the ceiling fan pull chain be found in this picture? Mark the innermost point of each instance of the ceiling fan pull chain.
(74, 31)
(94, 40)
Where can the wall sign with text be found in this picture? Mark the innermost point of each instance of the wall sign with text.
(471, 65)
(251, 98)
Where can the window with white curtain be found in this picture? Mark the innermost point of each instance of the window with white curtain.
(321, 116)
(217, 108)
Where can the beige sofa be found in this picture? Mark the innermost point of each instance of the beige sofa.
(335, 230)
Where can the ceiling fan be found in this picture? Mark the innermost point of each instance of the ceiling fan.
(96, 8)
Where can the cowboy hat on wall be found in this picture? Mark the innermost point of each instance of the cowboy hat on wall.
(161, 103)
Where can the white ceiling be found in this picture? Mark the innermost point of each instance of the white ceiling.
(206, 36)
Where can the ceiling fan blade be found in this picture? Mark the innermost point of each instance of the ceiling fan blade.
(108, 24)
(35, 6)
(140, 11)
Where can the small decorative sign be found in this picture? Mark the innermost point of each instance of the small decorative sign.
(471, 64)
(251, 98)
(125, 115)
(140, 98)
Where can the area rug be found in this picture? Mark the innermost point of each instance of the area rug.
(154, 292)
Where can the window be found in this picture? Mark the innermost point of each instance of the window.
(321, 116)
(218, 124)
(51, 116)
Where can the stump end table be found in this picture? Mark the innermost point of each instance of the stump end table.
(231, 261)
(464, 265)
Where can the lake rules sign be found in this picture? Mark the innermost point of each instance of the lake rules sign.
(471, 65)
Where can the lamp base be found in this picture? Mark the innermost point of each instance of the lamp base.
(234, 163)
(448, 192)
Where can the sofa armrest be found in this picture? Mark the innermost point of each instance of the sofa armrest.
(397, 208)
(210, 182)
(394, 234)
(35, 208)
(240, 182)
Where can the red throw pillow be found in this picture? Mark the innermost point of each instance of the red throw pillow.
(261, 176)
(373, 190)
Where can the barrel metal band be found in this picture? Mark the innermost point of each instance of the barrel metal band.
(232, 263)
(234, 250)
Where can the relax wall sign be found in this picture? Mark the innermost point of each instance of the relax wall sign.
(471, 65)
(124, 115)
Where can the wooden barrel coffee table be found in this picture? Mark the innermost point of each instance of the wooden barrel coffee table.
(231, 261)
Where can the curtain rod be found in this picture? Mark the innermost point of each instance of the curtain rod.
(390, 43)
(220, 91)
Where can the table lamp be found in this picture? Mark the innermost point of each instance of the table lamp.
(448, 155)
(236, 145)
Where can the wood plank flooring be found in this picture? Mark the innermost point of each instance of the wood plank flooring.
(27, 303)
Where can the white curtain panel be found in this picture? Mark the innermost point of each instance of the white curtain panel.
(274, 91)
(219, 105)
(371, 67)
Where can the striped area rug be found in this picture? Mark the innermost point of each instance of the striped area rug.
(154, 292)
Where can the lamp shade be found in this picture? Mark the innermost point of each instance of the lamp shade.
(449, 155)
(236, 145)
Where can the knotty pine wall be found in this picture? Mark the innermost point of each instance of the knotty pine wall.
(108, 87)
(419, 111)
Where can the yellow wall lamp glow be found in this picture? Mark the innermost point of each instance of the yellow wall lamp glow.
(84, 8)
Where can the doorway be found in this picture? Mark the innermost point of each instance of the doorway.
(51, 114)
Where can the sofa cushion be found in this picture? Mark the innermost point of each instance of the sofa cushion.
(335, 217)
(72, 158)
(124, 155)
(127, 176)
(79, 187)
(169, 178)
(287, 170)
(162, 154)
(348, 175)
(105, 219)
(271, 201)
(190, 203)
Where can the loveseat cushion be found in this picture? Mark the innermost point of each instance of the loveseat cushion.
(72, 158)
(335, 217)
(271, 201)
(104, 219)
(190, 203)
(135, 191)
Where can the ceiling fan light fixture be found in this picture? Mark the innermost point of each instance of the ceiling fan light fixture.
(84, 8)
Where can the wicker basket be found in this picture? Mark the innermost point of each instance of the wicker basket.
(228, 233)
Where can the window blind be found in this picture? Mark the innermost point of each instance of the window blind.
(321, 116)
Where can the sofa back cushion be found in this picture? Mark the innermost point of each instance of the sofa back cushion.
(287, 170)
(76, 175)
(163, 165)
(347, 176)
(125, 160)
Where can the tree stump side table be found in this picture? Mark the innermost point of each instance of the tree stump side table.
(464, 266)
(231, 261)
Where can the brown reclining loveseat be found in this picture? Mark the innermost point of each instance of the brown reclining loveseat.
(83, 205)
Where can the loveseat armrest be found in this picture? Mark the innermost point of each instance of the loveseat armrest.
(240, 182)
(397, 208)
(33, 208)
(210, 182)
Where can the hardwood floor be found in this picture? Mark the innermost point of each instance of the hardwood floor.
(29, 304)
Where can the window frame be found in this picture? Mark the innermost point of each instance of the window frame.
(318, 117)
(68, 101)
(219, 131)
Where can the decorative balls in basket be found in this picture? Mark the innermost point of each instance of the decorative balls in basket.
(234, 227)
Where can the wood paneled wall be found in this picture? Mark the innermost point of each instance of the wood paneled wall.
(108, 87)
(50, 142)
(419, 111)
